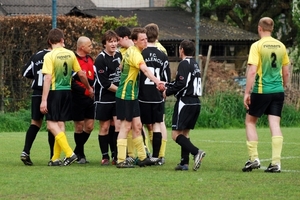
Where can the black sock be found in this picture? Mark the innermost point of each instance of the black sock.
(78, 142)
(185, 156)
(30, 137)
(116, 148)
(51, 140)
(85, 136)
(187, 144)
(156, 143)
(103, 143)
(112, 141)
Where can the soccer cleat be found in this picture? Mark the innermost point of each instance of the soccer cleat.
(198, 159)
(82, 161)
(145, 162)
(130, 160)
(105, 162)
(180, 167)
(55, 163)
(155, 160)
(25, 158)
(273, 168)
(161, 161)
(124, 164)
(70, 160)
(114, 161)
(251, 165)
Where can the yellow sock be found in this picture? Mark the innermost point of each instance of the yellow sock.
(150, 133)
(252, 150)
(130, 145)
(56, 151)
(276, 149)
(147, 141)
(139, 145)
(122, 147)
(62, 141)
(162, 150)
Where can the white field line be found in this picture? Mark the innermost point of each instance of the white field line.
(263, 160)
(244, 142)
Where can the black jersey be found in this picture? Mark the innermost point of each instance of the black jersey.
(107, 72)
(157, 62)
(188, 80)
(33, 70)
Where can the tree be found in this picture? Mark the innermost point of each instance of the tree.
(245, 14)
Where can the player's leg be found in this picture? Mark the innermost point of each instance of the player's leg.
(162, 151)
(103, 139)
(78, 127)
(274, 116)
(59, 111)
(112, 142)
(156, 142)
(88, 127)
(104, 113)
(259, 104)
(36, 122)
(124, 113)
(114, 138)
(29, 139)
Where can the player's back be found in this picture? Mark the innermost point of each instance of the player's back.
(156, 61)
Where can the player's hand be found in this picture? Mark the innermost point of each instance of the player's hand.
(91, 93)
(43, 107)
(161, 86)
(247, 100)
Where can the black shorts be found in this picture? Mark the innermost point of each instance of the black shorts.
(59, 105)
(35, 107)
(186, 112)
(105, 112)
(151, 112)
(127, 109)
(82, 108)
(268, 104)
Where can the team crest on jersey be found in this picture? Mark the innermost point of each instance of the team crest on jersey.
(101, 71)
(89, 73)
(181, 78)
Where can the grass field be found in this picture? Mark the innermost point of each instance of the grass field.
(220, 176)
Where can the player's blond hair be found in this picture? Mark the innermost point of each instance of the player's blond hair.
(266, 23)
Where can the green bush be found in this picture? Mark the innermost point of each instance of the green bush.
(221, 110)
(226, 110)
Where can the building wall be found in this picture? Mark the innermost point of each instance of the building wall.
(129, 3)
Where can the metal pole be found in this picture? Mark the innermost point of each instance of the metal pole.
(197, 27)
(53, 13)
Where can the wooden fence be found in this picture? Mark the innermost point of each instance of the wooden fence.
(295, 81)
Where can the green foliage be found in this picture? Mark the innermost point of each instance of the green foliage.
(226, 110)
(22, 36)
(220, 110)
(112, 22)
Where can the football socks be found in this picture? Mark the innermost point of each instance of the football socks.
(252, 150)
(122, 146)
(276, 149)
(139, 145)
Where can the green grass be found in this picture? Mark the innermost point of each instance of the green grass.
(220, 176)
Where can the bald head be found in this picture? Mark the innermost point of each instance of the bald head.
(82, 40)
(84, 46)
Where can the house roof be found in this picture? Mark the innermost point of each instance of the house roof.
(177, 24)
(25, 7)
(174, 24)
